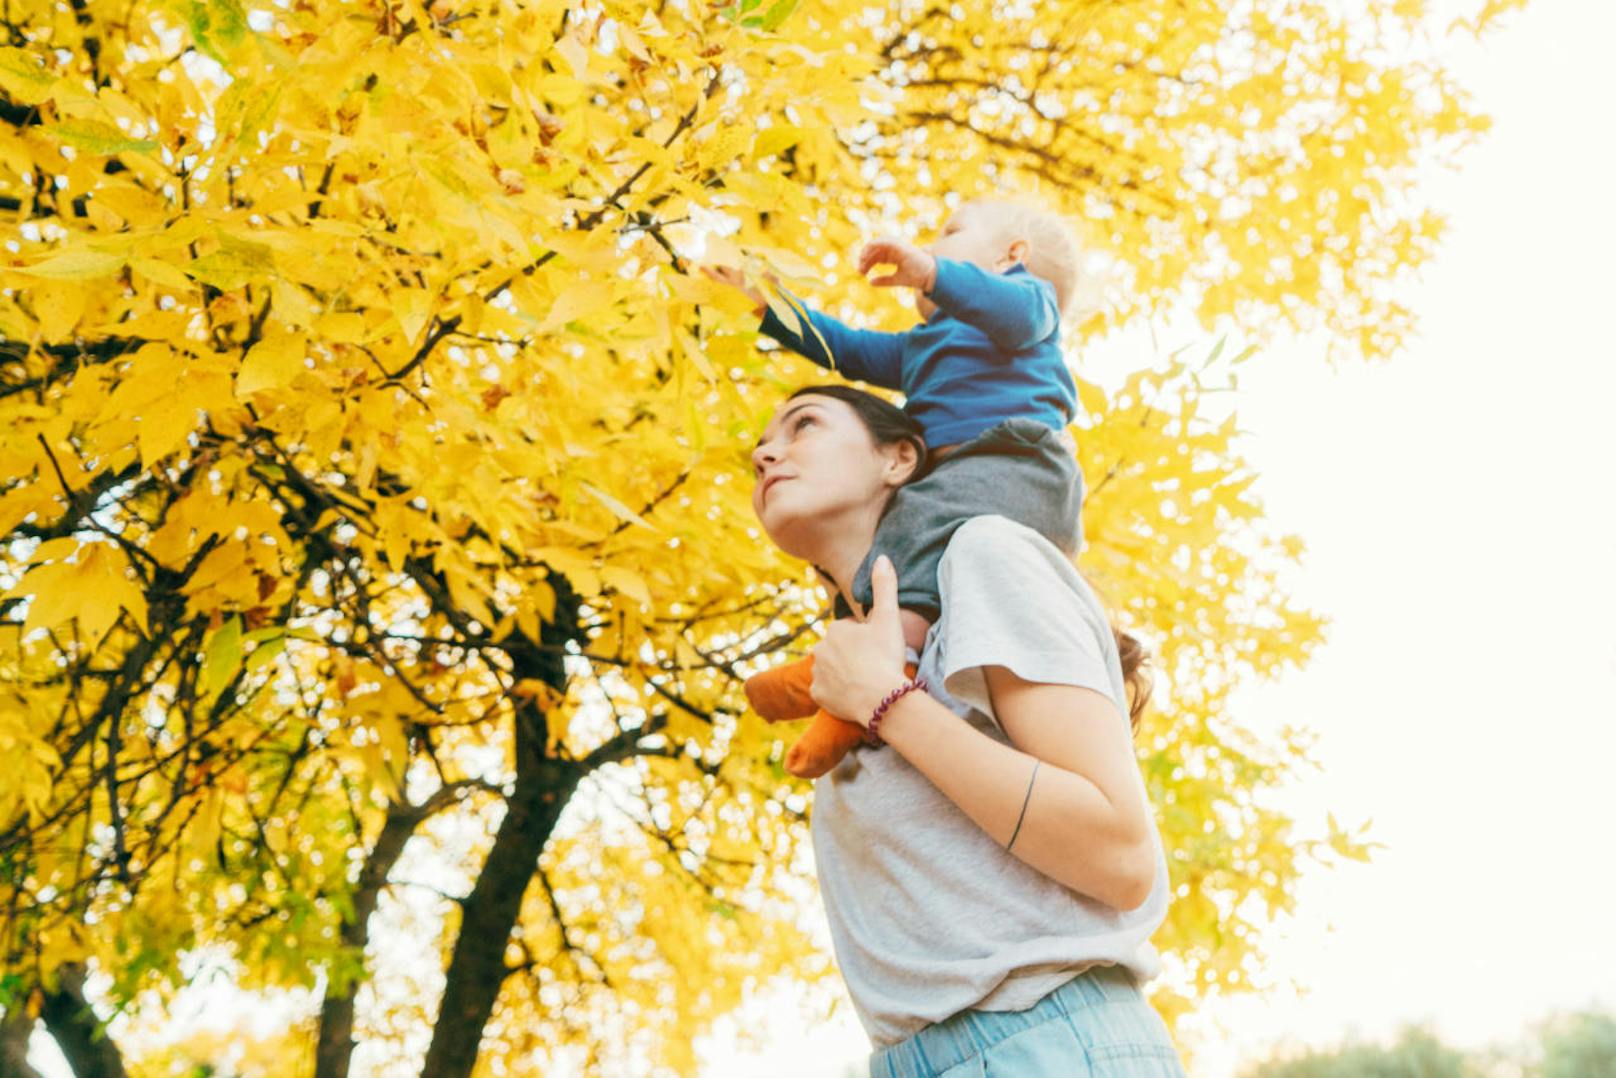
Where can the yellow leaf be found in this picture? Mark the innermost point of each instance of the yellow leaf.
(165, 428)
(1091, 397)
(223, 562)
(784, 311)
(413, 308)
(101, 139)
(576, 55)
(272, 363)
(614, 505)
(202, 837)
(79, 264)
(348, 327)
(776, 137)
(628, 582)
(631, 42)
(162, 273)
(91, 589)
(786, 263)
(59, 305)
(541, 692)
(582, 299)
(223, 656)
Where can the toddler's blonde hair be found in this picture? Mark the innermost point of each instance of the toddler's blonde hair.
(1053, 251)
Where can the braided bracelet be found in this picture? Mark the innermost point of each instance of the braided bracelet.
(870, 736)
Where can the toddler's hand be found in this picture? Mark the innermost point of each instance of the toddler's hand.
(736, 279)
(915, 268)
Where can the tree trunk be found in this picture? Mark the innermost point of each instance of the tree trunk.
(477, 969)
(334, 1050)
(78, 1032)
(15, 1029)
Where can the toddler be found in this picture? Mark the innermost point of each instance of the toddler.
(984, 376)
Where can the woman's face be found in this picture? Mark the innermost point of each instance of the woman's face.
(817, 471)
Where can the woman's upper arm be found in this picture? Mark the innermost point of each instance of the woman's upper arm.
(1079, 729)
(1019, 643)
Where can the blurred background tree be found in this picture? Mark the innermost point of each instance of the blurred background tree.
(1580, 1044)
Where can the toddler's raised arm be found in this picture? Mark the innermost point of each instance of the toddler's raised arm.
(864, 354)
(1015, 310)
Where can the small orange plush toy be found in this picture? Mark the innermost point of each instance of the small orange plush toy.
(782, 693)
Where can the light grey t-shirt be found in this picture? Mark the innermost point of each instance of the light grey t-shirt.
(928, 914)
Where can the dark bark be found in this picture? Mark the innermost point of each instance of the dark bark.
(78, 1032)
(477, 969)
(334, 1049)
(15, 1029)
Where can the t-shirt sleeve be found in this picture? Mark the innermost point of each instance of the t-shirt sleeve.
(1010, 598)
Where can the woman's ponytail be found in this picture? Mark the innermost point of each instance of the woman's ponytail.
(1135, 659)
(1135, 675)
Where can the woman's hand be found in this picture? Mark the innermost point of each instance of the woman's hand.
(915, 268)
(860, 662)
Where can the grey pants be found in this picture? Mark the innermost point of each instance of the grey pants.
(1020, 469)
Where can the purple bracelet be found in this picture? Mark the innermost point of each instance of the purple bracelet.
(870, 736)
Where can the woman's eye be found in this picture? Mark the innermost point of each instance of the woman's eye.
(800, 422)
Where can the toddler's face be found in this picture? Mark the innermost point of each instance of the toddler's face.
(975, 234)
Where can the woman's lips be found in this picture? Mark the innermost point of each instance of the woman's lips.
(771, 483)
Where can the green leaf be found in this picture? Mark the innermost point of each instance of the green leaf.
(777, 13)
(24, 77)
(217, 27)
(264, 652)
(93, 136)
(223, 657)
(234, 264)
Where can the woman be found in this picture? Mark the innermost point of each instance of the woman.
(992, 883)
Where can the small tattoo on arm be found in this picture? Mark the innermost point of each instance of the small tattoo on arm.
(1023, 815)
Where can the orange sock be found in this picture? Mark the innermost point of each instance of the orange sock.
(781, 693)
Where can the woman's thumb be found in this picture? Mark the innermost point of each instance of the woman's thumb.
(883, 584)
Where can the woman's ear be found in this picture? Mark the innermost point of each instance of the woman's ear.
(902, 461)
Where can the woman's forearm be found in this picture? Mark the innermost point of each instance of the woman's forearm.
(1070, 831)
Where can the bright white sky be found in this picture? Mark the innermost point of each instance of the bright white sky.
(1460, 542)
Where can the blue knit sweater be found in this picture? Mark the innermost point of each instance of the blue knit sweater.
(989, 352)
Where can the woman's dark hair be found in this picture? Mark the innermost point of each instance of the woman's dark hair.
(887, 424)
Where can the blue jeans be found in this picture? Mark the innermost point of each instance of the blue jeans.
(1098, 1023)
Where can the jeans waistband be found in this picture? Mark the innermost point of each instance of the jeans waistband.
(943, 1044)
